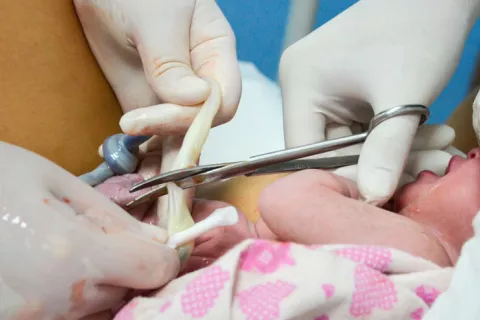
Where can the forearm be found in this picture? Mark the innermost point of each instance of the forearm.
(316, 207)
(291, 208)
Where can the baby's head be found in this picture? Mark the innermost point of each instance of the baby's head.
(447, 204)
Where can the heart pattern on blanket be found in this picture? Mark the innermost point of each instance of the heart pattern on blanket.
(374, 257)
(202, 292)
(262, 302)
(372, 290)
(165, 306)
(127, 311)
(265, 257)
(328, 289)
(427, 293)
(417, 314)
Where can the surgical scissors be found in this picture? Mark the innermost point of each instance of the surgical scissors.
(277, 161)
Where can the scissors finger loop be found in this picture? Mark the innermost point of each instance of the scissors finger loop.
(403, 110)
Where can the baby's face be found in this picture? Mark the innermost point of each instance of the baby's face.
(458, 189)
(445, 204)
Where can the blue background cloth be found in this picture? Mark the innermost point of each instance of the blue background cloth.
(259, 26)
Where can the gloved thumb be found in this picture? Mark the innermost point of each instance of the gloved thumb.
(165, 56)
(384, 156)
(134, 261)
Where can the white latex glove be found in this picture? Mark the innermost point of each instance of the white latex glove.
(66, 251)
(374, 56)
(431, 150)
(153, 53)
(476, 116)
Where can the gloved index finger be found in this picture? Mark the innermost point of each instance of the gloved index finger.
(161, 35)
(384, 156)
(214, 56)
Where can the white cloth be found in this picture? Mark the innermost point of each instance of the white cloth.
(460, 301)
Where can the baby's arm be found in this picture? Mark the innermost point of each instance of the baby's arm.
(319, 207)
(324, 184)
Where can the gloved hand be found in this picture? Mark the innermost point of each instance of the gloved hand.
(431, 150)
(476, 116)
(66, 251)
(374, 56)
(153, 54)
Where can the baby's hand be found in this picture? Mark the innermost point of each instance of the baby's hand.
(215, 243)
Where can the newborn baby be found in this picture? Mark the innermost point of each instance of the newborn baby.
(323, 254)
(433, 220)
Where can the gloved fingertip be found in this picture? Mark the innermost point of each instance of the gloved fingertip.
(100, 151)
(154, 233)
(443, 133)
(430, 137)
(448, 135)
(375, 201)
(454, 151)
(182, 88)
(136, 121)
(377, 191)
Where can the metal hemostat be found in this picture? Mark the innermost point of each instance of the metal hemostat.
(273, 162)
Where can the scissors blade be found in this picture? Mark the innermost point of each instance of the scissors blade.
(176, 175)
(290, 166)
(302, 164)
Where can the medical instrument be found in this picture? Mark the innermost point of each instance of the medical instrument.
(222, 217)
(119, 154)
(189, 178)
